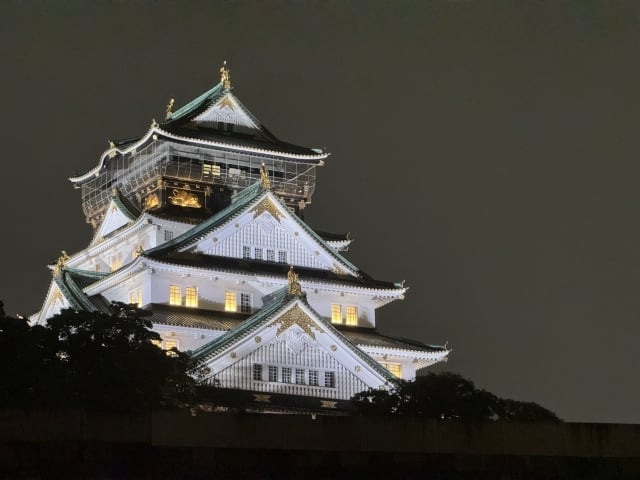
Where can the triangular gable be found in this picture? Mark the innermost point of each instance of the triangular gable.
(54, 302)
(228, 109)
(117, 216)
(265, 229)
(288, 333)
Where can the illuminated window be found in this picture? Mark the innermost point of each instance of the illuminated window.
(282, 257)
(271, 256)
(191, 297)
(394, 368)
(246, 252)
(175, 295)
(273, 373)
(286, 375)
(352, 315)
(313, 377)
(330, 379)
(135, 297)
(170, 344)
(257, 253)
(300, 376)
(230, 304)
(211, 170)
(257, 371)
(115, 262)
(245, 303)
(336, 313)
(157, 343)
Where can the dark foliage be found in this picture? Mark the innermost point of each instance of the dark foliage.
(90, 360)
(448, 396)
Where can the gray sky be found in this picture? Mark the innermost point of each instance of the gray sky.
(486, 152)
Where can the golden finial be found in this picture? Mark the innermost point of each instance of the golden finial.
(167, 112)
(294, 285)
(62, 260)
(225, 76)
(154, 124)
(264, 177)
(111, 144)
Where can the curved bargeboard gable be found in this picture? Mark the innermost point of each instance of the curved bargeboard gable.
(268, 225)
(289, 334)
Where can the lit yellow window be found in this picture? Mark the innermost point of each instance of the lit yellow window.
(169, 344)
(191, 297)
(394, 368)
(352, 315)
(135, 297)
(157, 343)
(230, 304)
(175, 295)
(115, 262)
(336, 313)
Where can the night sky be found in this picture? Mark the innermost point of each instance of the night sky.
(485, 152)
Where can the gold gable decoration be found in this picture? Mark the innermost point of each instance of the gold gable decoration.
(296, 316)
(267, 205)
(60, 263)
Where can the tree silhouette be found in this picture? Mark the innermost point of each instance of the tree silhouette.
(447, 396)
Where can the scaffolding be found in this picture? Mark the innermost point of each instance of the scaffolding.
(139, 172)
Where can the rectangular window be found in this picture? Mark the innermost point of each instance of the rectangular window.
(230, 304)
(115, 262)
(286, 375)
(313, 377)
(245, 302)
(336, 313)
(168, 345)
(175, 295)
(246, 252)
(300, 376)
(257, 253)
(394, 368)
(257, 371)
(352, 315)
(135, 297)
(282, 256)
(330, 379)
(168, 235)
(273, 373)
(191, 297)
(209, 169)
(271, 256)
(157, 343)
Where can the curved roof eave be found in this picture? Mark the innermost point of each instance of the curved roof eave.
(158, 131)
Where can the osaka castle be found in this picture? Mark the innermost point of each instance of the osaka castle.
(201, 221)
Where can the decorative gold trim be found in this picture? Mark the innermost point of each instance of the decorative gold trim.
(266, 205)
(333, 348)
(357, 369)
(258, 339)
(182, 198)
(328, 404)
(60, 263)
(151, 201)
(259, 397)
(296, 316)
(226, 102)
(294, 285)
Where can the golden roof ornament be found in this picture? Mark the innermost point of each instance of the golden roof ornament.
(154, 124)
(225, 76)
(264, 177)
(294, 285)
(168, 111)
(60, 263)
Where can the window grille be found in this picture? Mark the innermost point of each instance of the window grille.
(245, 303)
(271, 256)
(282, 256)
(286, 374)
(246, 252)
(330, 379)
(257, 371)
(175, 295)
(191, 297)
(300, 376)
(352, 315)
(257, 253)
(313, 377)
(394, 368)
(168, 235)
(336, 313)
(230, 303)
(273, 373)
